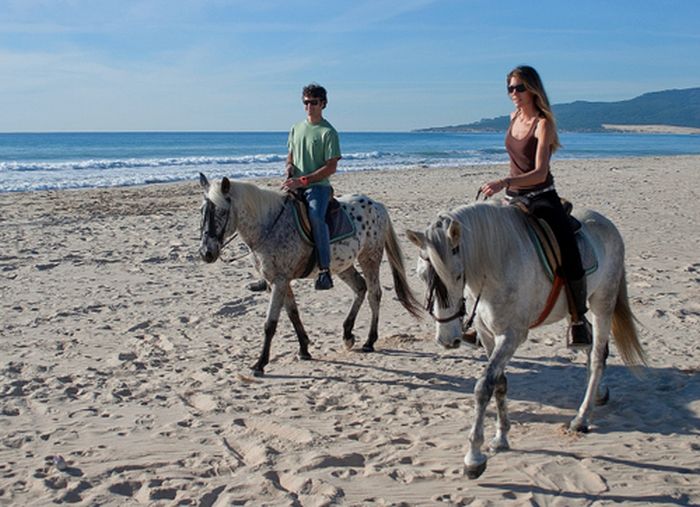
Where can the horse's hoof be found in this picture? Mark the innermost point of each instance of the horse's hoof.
(349, 342)
(367, 348)
(578, 426)
(603, 399)
(304, 356)
(475, 472)
(258, 372)
(499, 445)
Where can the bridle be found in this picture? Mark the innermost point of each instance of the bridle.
(209, 211)
(209, 220)
(461, 311)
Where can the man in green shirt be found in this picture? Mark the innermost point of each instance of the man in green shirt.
(314, 151)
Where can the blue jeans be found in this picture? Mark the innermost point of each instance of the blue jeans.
(317, 198)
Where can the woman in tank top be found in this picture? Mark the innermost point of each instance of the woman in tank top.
(530, 141)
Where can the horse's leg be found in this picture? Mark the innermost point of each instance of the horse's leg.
(603, 395)
(290, 305)
(596, 366)
(279, 292)
(500, 441)
(370, 268)
(354, 279)
(475, 460)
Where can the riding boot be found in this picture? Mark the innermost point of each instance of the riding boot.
(580, 330)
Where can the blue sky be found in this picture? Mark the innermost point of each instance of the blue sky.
(86, 65)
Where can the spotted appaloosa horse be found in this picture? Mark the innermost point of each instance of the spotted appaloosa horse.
(485, 249)
(265, 221)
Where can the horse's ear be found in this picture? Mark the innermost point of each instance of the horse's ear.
(225, 185)
(417, 238)
(454, 233)
(203, 182)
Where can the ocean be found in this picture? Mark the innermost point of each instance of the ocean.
(54, 161)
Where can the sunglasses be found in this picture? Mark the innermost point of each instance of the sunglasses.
(519, 88)
(312, 102)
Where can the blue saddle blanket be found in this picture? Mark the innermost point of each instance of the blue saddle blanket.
(340, 225)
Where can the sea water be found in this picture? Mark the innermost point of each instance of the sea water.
(52, 161)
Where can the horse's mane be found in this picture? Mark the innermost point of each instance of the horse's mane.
(490, 232)
(254, 200)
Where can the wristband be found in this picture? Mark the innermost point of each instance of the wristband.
(304, 181)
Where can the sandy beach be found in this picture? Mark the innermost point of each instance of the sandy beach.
(124, 353)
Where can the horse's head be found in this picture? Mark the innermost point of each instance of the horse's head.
(441, 268)
(216, 217)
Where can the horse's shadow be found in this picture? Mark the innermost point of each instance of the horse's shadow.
(636, 403)
(530, 488)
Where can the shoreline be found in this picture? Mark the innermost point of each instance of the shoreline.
(122, 352)
(477, 168)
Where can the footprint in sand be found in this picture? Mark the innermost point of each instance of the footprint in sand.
(45, 267)
(236, 307)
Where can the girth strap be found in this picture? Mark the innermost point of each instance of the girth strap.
(551, 300)
(551, 250)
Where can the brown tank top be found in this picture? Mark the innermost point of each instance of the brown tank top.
(522, 154)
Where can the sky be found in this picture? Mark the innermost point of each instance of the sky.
(234, 65)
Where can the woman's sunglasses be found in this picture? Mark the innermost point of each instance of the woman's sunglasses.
(520, 88)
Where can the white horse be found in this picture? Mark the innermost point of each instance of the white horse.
(265, 221)
(485, 249)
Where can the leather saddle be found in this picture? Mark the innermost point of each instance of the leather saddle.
(340, 225)
(547, 245)
(548, 250)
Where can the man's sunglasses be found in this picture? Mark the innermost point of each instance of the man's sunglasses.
(520, 88)
(312, 102)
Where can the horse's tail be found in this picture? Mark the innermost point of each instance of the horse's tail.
(624, 329)
(403, 290)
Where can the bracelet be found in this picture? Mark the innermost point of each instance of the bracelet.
(506, 182)
(304, 180)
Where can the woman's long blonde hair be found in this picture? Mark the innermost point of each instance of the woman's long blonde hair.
(532, 81)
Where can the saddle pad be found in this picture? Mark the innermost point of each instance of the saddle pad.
(589, 261)
(340, 225)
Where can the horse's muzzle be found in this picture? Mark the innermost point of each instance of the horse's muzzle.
(452, 343)
(208, 255)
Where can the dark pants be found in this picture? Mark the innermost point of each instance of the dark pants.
(547, 206)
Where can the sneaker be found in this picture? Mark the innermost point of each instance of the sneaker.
(324, 280)
(581, 334)
(258, 286)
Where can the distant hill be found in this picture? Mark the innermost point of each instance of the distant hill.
(679, 108)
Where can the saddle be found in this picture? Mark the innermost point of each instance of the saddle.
(549, 252)
(340, 225)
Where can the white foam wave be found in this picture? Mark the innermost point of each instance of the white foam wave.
(136, 163)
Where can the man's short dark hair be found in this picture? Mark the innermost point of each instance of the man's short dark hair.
(315, 91)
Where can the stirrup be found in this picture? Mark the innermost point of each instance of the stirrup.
(580, 334)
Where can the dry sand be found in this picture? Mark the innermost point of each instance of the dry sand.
(125, 354)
